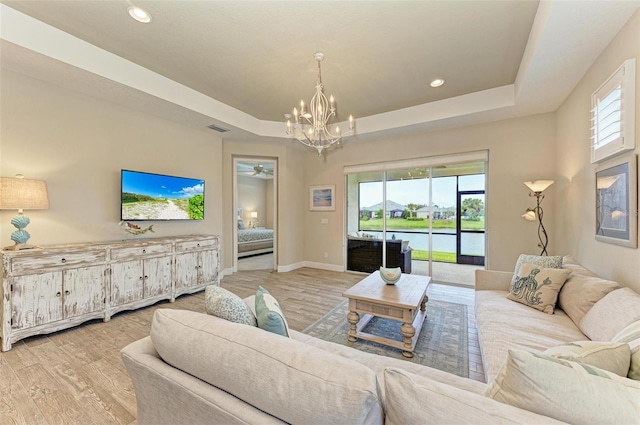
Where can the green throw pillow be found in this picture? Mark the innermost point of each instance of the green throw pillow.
(269, 314)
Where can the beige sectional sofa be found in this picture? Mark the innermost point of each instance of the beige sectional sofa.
(195, 368)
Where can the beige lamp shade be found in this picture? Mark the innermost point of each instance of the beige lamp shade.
(530, 215)
(27, 194)
(539, 186)
(254, 214)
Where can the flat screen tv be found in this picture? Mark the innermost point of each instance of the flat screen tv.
(147, 196)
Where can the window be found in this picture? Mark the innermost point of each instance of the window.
(613, 114)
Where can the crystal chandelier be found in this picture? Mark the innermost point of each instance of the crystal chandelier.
(309, 127)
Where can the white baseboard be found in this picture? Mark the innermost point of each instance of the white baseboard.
(311, 264)
(295, 266)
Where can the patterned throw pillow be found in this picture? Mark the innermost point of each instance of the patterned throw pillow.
(538, 287)
(226, 305)
(631, 335)
(614, 357)
(269, 314)
(547, 262)
(572, 392)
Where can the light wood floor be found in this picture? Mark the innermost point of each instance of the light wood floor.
(77, 377)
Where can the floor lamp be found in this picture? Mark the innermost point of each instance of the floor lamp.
(536, 188)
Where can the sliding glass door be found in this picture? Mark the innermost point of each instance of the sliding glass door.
(427, 220)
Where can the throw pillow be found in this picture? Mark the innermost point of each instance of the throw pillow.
(415, 399)
(611, 314)
(538, 287)
(614, 357)
(631, 336)
(240, 224)
(568, 391)
(580, 292)
(226, 305)
(547, 262)
(269, 314)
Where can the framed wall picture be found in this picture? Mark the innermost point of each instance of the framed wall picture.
(322, 198)
(617, 202)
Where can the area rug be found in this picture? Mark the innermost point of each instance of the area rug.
(442, 343)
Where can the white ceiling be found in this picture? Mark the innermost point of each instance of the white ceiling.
(243, 64)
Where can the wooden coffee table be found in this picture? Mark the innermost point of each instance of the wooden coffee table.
(405, 301)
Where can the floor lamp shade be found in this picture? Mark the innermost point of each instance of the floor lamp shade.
(22, 194)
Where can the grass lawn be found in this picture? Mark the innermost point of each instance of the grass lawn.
(443, 257)
(401, 223)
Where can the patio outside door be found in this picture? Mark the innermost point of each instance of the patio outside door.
(470, 222)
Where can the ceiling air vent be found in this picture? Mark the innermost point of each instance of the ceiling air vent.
(218, 128)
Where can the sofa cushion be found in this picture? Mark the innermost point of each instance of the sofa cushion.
(537, 287)
(580, 292)
(547, 262)
(269, 314)
(567, 391)
(614, 357)
(226, 305)
(503, 324)
(631, 336)
(611, 314)
(281, 376)
(568, 262)
(412, 399)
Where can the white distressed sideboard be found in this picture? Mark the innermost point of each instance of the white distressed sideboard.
(56, 287)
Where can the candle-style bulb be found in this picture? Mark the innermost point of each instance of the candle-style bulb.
(350, 122)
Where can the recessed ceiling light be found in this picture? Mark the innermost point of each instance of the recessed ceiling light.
(437, 82)
(139, 15)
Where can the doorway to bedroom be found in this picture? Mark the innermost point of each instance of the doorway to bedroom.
(255, 207)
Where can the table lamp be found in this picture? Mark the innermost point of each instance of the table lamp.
(254, 217)
(18, 193)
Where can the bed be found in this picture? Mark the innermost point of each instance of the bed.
(252, 241)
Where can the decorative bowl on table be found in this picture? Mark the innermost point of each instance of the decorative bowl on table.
(390, 275)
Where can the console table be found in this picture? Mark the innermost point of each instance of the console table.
(57, 287)
(365, 255)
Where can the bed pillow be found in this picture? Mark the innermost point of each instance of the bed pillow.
(572, 392)
(538, 287)
(240, 224)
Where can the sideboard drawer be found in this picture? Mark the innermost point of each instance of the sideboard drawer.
(137, 251)
(35, 262)
(191, 245)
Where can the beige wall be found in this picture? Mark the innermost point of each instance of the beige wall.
(575, 216)
(252, 196)
(519, 150)
(79, 144)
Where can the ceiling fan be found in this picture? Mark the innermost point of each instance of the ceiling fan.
(260, 169)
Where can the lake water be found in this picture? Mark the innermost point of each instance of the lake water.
(443, 240)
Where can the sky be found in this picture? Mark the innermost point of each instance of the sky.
(159, 186)
(416, 191)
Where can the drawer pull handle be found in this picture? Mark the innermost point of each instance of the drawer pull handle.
(144, 251)
(64, 260)
(140, 277)
(67, 292)
(146, 277)
(58, 294)
(198, 245)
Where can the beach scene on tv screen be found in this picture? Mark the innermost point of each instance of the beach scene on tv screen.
(157, 197)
